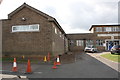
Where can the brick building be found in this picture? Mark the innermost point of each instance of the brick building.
(30, 31)
(77, 42)
(102, 36)
(0, 37)
(109, 33)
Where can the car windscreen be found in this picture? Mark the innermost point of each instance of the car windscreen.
(90, 47)
(116, 46)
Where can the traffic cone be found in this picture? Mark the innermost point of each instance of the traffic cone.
(14, 69)
(48, 57)
(23, 56)
(54, 66)
(28, 67)
(58, 61)
(45, 59)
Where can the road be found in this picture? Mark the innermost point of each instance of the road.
(84, 66)
(110, 63)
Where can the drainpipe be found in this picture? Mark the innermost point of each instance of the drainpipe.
(84, 40)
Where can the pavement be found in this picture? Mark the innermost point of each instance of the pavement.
(12, 76)
(112, 64)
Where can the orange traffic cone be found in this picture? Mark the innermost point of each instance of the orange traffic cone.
(54, 67)
(14, 69)
(23, 56)
(58, 61)
(28, 67)
(48, 57)
(45, 59)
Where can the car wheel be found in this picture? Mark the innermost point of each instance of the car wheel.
(93, 51)
(112, 53)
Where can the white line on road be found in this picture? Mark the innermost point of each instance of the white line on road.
(11, 76)
(38, 72)
(21, 72)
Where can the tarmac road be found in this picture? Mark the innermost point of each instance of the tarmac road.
(84, 66)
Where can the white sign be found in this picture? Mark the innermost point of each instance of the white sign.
(108, 34)
(112, 37)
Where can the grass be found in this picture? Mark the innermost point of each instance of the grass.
(113, 57)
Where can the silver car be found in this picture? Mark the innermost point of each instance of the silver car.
(90, 48)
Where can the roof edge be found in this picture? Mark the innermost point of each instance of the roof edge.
(30, 7)
(103, 25)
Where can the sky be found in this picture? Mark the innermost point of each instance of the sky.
(74, 16)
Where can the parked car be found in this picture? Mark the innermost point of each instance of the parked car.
(90, 48)
(115, 49)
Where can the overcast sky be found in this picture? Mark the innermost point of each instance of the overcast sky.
(74, 16)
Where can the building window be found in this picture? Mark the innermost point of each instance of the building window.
(79, 42)
(117, 34)
(63, 36)
(25, 28)
(114, 29)
(55, 31)
(89, 42)
(98, 29)
(71, 42)
(107, 29)
(99, 42)
(60, 34)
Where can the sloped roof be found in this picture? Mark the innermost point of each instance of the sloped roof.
(50, 18)
(28, 6)
(81, 36)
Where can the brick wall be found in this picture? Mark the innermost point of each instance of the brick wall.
(0, 37)
(27, 42)
(84, 37)
(57, 40)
